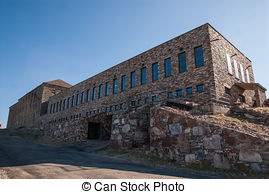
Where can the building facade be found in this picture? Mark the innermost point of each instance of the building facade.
(200, 68)
(27, 111)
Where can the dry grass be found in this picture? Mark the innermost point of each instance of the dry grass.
(263, 110)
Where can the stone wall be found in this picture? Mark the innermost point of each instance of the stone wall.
(220, 46)
(130, 129)
(159, 88)
(77, 129)
(176, 136)
(26, 112)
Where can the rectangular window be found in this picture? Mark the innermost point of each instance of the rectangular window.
(73, 100)
(57, 106)
(82, 97)
(88, 95)
(139, 101)
(107, 108)
(64, 104)
(247, 74)
(111, 108)
(182, 62)
(168, 67)
(121, 106)
(170, 95)
(60, 108)
(236, 69)
(133, 103)
(200, 88)
(242, 73)
(123, 83)
(53, 107)
(50, 108)
(107, 88)
(68, 102)
(228, 91)
(146, 100)
(155, 72)
(229, 64)
(101, 91)
(154, 98)
(133, 79)
(189, 90)
(179, 92)
(115, 86)
(199, 56)
(77, 101)
(93, 93)
(116, 107)
(143, 75)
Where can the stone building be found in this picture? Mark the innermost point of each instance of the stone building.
(200, 69)
(27, 111)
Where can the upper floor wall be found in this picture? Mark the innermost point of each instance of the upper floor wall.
(230, 66)
(137, 80)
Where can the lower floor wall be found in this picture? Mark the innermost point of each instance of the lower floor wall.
(172, 135)
(78, 129)
(177, 137)
(130, 130)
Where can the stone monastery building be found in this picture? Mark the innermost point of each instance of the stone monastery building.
(198, 70)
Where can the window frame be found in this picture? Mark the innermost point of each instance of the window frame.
(168, 67)
(143, 81)
(196, 56)
(179, 62)
(157, 72)
(132, 84)
(123, 83)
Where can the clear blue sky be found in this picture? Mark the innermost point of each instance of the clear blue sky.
(42, 40)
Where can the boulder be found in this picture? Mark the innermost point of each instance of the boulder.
(190, 158)
(116, 121)
(212, 142)
(125, 128)
(175, 129)
(249, 156)
(221, 162)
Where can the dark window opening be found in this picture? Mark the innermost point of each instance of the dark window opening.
(123, 83)
(107, 88)
(133, 79)
(170, 95)
(189, 90)
(182, 62)
(155, 72)
(82, 98)
(200, 88)
(146, 100)
(179, 92)
(115, 86)
(242, 99)
(168, 67)
(228, 91)
(143, 75)
(199, 56)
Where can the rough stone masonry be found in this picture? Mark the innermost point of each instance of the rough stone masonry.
(199, 70)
